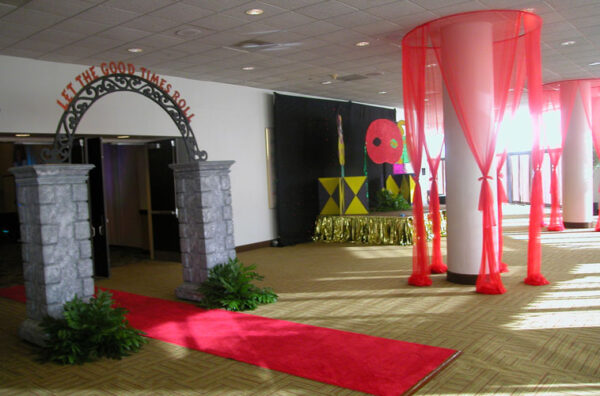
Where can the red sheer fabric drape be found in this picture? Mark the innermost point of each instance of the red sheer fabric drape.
(561, 95)
(502, 198)
(413, 77)
(434, 144)
(479, 111)
(596, 128)
(556, 219)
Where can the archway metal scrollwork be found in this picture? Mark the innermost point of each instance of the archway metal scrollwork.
(119, 82)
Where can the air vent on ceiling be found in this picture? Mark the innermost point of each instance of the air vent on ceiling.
(351, 77)
(253, 45)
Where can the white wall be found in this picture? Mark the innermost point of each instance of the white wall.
(229, 123)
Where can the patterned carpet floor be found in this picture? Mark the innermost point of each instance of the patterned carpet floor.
(532, 340)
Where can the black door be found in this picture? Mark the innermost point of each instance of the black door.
(94, 155)
(165, 227)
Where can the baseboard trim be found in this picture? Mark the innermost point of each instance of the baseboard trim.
(461, 279)
(252, 246)
(578, 225)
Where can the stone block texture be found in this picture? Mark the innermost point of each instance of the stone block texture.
(205, 220)
(55, 232)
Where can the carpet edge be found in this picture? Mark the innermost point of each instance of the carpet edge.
(432, 374)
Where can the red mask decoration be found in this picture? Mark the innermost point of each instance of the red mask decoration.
(384, 141)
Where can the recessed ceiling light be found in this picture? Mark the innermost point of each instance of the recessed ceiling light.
(22, 134)
(123, 137)
(382, 92)
(326, 82)
(188, 32)
(254, 11)
(362, 43)
(567, 43)
(528, 9)
(248, 68)
(594, 64)
(135, 50)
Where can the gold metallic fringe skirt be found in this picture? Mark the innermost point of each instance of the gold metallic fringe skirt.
(371, 230)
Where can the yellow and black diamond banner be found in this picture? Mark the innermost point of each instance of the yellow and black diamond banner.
(401, 184)
(329, 195)
(355, 195)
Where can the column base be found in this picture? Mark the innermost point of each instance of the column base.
(188, 291)
(462, 279)
(31, 331)
(584, 224)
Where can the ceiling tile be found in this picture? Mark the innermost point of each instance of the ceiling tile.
(57, 36)
(398, 9)
(215, 5)
(16, 30)
(58, 7)
(76, 50)
(293, 4)
(139, 6)
(181, 12)
(316, 28)
(287, 20)
(151, 24)
(39, 19)
(362, 4)
(107, 15)
(325, 10)
(218, 22)
(354, 20)
(193, 46)
(36, 45)
(378, 28)
(80, 26)
(22, 53)
(123, 34)
(97, 43)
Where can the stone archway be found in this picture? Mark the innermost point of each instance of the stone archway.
(54, 215)
(118, 82)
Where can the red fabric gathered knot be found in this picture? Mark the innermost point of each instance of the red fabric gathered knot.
(433, 178)
(486, 177)
(500, 175)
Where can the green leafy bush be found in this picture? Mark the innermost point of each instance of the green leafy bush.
(229, 286)
(388, 201)
(89, 331)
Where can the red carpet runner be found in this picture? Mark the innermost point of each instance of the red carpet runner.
(369, 364)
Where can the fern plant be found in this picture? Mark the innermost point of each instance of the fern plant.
(388, 201)
(229, 286)
(89, 331)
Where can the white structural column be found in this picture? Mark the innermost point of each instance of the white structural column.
(577, 165)
(469, 47)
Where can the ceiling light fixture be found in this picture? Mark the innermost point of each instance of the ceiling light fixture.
(248, 68)
(594, 64)
(135, 50)
(382, 92)
(254, 11)
(123, 137)
(528, 9)
(326, 82)
(362, 43)
(567, 43)
(22, 134)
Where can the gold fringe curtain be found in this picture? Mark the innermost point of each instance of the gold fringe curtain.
(370, 230)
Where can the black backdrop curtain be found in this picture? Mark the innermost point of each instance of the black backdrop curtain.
(305, 133)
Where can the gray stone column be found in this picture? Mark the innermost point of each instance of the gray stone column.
(203, 201)
(55, 236)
